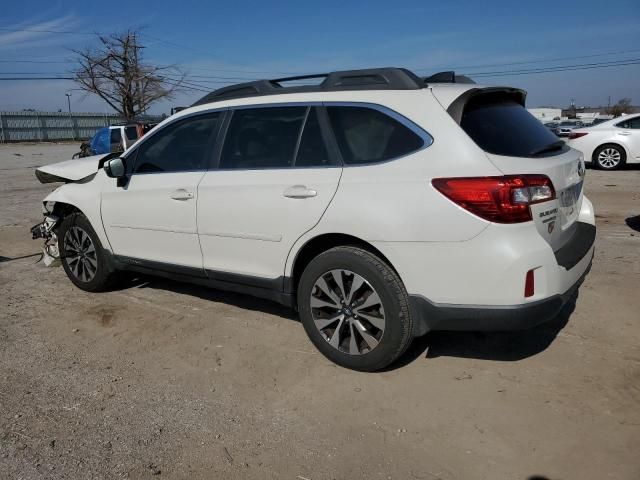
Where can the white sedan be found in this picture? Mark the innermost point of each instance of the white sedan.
(609, 145)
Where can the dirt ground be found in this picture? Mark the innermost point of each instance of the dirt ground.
(166, 380)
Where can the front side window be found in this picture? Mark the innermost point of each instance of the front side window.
(366, 135)
(179, 147)
(262, 138)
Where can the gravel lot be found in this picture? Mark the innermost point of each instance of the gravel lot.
(166, 380)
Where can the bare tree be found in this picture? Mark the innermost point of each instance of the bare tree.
(116, 73)
(622, 106)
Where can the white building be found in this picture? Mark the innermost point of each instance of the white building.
(546, 114)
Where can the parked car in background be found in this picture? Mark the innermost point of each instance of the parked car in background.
(611, 144)
(565, 128)
(341, 200)
(552, 126)
(115, 138)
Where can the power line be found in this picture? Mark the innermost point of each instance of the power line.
(558, 68)
(215, 80)
(537, 61)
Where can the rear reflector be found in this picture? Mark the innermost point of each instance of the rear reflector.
(529, 285)
(574, 135)
(497, 199)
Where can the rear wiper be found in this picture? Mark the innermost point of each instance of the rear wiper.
(557, 145)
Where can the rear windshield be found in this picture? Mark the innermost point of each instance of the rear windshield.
(504, 127)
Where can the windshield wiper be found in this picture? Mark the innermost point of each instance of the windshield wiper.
(551, 147)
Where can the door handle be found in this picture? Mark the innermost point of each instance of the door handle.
(181, 194)
(299, 191)
(624, 133)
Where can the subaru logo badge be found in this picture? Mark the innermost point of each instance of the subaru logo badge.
(580, 169)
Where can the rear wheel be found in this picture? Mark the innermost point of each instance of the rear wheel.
(355, 309)
(609, 157)
(82, 255)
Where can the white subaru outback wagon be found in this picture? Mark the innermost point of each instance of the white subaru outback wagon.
(379, 204)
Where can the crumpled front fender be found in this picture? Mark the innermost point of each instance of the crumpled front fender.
(85, 197)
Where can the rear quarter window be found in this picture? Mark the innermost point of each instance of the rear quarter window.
(502, 126)
(366, 135)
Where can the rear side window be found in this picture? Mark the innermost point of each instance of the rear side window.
(180, 147)
(504, 127)
(262, 138)
(131, 132)
(632, 123)
(366, 135)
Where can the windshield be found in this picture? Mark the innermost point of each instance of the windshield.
(504, 127)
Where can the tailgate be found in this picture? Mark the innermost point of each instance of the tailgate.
(556, 219)
(518, 144)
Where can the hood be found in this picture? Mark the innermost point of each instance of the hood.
(70, 170)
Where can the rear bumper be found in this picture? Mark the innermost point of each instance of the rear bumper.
(434, 316)
(573, 262)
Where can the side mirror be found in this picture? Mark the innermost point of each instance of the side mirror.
(115, 168)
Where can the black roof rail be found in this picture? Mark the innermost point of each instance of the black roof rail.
(367, 79)
(447, 77)
(388, 78)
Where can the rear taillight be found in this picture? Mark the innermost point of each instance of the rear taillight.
(574, 135)
(498, 199)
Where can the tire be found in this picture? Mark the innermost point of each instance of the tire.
(366, 333)
(91, 269)
(609, 157)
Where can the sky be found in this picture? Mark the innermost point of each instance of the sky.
(217, 43)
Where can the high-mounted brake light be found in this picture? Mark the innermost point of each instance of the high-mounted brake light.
(498, 199)
(574, 135)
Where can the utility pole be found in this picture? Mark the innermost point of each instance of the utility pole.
(73, 130)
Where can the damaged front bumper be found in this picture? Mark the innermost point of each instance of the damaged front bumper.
(45, 230)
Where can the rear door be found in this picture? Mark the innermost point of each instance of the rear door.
(274, 181)
(517, 143)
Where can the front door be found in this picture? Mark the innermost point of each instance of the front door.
(275, 179)
(153, 216)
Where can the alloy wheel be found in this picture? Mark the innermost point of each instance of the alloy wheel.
(80, 254)
(609, 158)
(347, 311)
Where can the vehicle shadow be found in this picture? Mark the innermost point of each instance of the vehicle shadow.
(633, 223)
(501, 346)
(246, 302)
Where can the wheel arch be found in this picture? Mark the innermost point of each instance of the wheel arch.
(84, 199)
(319, 244)
(63, 209)
(613, 144)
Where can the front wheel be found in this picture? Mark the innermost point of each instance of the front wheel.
(82, 255)
(609, 157)
(355, 309)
